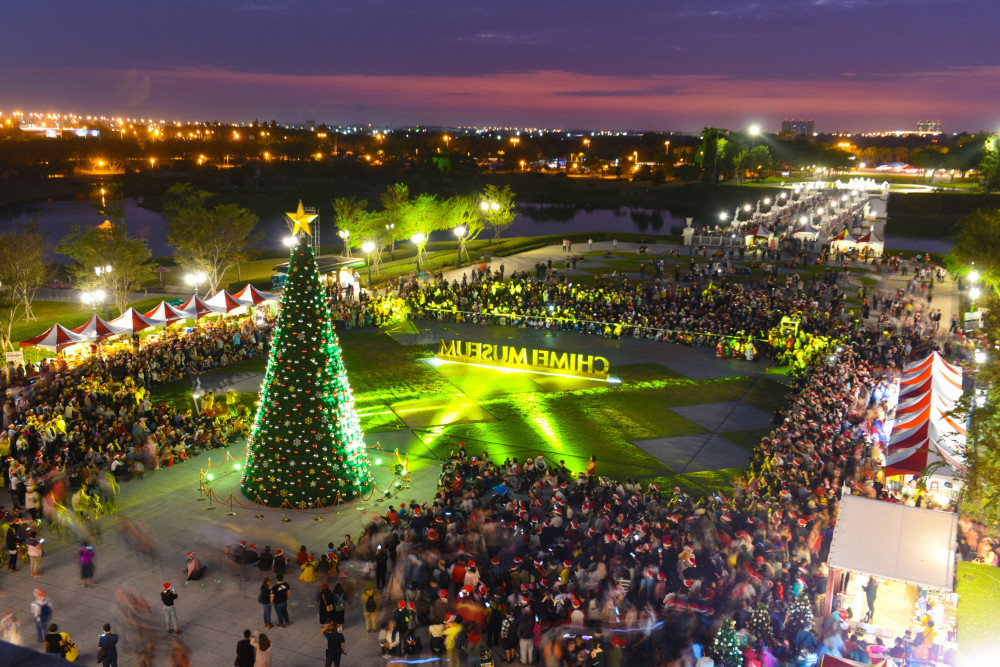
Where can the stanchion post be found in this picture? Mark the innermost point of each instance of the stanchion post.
(201, 485)
(286, 519)
(209, 501)
(231, 512)
(319, 505)
(260, 514)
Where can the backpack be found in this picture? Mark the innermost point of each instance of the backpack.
(339, 603)
(370, 604)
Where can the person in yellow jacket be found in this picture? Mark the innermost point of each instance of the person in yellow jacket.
(309, 570)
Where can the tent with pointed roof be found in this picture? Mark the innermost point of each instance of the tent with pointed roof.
(131, 321)
(96, 329)
(806, 231)
(194, 308)
(251, 296)
(758, 232)
(843, 241)
(57, 338)
(223, 302)
(164, 314)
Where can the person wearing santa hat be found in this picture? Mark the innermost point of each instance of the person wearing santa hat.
(194, 568)
(168, 596)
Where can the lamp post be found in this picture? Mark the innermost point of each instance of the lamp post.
(92, 298)
(392, 241)
(346, 236)
(367, 247)
(460, 233)
(418, 240)
(103, 271)
(194, 279)
(754, 131)
(973, 289)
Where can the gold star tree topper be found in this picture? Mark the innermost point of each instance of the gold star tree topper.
(301, 220)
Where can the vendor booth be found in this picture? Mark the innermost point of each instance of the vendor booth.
(908, 549)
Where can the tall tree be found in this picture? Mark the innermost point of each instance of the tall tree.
(989, 164)
(108, 245)
(305, 444)
(346, 212)
(394, 202)
(978, 247)
(497, 206)
(208, 239)
(23, 270)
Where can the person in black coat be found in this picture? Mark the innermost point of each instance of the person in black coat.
(246, 654)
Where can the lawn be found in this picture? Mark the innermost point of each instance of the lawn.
(522, 415)
(978, 588)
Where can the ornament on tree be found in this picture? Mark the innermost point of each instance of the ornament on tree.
(304, 378)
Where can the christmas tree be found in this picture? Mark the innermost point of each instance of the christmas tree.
(726, 646)
(305, 445)
(799, 614)
(760, 624)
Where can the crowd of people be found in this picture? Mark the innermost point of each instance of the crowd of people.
(71, 433)
(526, 560)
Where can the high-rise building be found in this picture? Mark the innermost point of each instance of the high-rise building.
(797, 127)
(928, 127)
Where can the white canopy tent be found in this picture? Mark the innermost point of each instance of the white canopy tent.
(893, 541)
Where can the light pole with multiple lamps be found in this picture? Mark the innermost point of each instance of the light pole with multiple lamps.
(346, 236)
(392, 241)
(195, 278)
(103, 272)
(368, 247)
(92, 298)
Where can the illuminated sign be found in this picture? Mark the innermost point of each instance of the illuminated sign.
(524, 360)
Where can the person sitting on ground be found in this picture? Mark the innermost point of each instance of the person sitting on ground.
(194, 568)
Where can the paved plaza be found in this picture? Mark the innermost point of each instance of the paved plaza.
(214, 611)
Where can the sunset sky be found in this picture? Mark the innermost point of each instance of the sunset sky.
(668, 64)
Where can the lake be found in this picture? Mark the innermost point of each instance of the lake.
(56, 217)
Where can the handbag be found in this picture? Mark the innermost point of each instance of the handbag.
(101, 655)
(329, 607)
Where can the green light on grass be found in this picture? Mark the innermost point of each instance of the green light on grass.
(378, 462)
(210, 477)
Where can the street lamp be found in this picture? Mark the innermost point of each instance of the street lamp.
(194, 279)
(368, 247)
(418, 240)
(460, 233)
(345, 236)
(973, 295)
(754, 131)
(102, 270)
(92, 298)
(392, 241)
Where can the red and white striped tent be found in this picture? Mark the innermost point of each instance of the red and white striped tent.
(165, 314)
(96, 329)
(251, 296)
(131, 321)
(871, 238)
(194, 308)
(58, 338)
(223, 302)
(925, 432)
(758, 232)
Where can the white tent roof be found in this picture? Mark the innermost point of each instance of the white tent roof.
(894, 541)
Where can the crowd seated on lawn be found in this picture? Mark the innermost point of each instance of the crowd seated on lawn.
(553, 567)
(76, 422)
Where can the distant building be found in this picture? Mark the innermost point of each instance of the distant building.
(928, 127)
(797, 127)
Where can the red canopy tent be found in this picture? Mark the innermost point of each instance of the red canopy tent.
(131, 321)
(251, 296)
(57, 338)
(758, 232)
(195, 308)
(165, 314)
(223, 302)
(910, 452)
(96, 329)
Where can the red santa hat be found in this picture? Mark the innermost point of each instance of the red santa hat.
(166, 586)
(401, 604)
